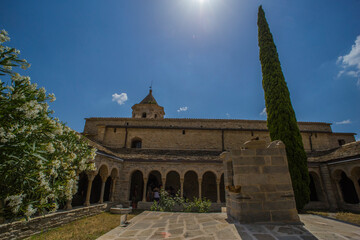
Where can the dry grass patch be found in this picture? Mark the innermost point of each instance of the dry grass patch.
(85, 228)
(324, 214)
(348, 217)
(343, 216)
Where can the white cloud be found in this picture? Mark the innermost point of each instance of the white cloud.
(182, 109)
(263, 113)
(227, 115)
(119, 98)
(351, 62)
(343, 122)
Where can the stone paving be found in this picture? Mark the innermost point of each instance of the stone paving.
(213, 226)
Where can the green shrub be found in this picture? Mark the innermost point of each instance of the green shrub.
(167, 203)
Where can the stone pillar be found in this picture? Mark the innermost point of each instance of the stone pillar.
(68, 205)
(88, 192)
(356, 185)
(163, 182)
(338, 188)
(328, 187)
(103, 181)
(113, 185)
(218, 190)
(200, 182)
(144, 192)
(181, 187)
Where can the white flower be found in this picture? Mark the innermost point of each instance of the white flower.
(15, 202)
(52, 97)
(30, 210)
(50, 148)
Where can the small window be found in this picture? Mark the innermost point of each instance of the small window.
(144, 115)
(341, 142)
(114, 130)
(136, 143)
(184, 132)
(252, 133)
(315, 135)
(155, 115)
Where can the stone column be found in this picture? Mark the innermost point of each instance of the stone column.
(218, 190)
(356, 185)
(68, 205)
(103, 181)
(113, 185)
(337, 180)
(144, 192)
(163, 182)
(199, 181)
(181, 187)
(88, 192)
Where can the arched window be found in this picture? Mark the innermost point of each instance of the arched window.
(136, 143)
(144, 115)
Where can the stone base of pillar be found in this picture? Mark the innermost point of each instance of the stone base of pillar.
(86, 204)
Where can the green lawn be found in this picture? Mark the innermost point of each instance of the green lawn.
(85, 228)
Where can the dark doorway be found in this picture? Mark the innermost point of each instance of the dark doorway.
(222, 189)
(95, 189)
(172, 185)
(137, 187)
(209, 187)
(107, 189)
(313, 193)
(80, 195)
(348, 190)
(154, 181)
(191, 185)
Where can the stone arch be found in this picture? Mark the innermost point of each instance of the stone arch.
(346, 187)
(80, 196)
(114, 172)
(136, 142)
(316, 191)
(191, 185)
(104, 169)
(209, 186)
(172, 184)
(355, 173)
(222, 189)
(96, 189)
(136, 186)
(107, 189)
(154, 180)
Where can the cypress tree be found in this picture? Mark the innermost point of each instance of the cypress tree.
(281, 119)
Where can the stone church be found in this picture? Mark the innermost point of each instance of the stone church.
(147, 151)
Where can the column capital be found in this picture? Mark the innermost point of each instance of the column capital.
(91, 176)
(103, 177)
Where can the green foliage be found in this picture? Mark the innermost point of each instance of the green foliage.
(40, 157)
(281, 119)
(168, 203)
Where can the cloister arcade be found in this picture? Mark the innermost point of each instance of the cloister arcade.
(341, 186)
(95, 187)
(190, 184)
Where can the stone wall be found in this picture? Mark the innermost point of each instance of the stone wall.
(258, 184)
(200, 134)
(23, 229)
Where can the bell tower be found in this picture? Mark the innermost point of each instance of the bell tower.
(148, 108)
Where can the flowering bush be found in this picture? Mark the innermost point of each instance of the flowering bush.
(40, 157)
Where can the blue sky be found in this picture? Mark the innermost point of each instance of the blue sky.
(200, 55)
